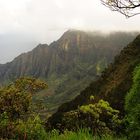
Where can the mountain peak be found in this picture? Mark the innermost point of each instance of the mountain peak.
(41, 46)
(72, 33)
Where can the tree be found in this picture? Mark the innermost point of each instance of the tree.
(16, 98)
(125, 7)
(15, 101)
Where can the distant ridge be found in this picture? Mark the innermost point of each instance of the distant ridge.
(68, 64)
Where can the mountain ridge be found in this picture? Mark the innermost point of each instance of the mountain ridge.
(68, 64)
(112, 86)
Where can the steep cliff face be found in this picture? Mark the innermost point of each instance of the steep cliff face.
(112, 86)
(68, 64)
(31, 63)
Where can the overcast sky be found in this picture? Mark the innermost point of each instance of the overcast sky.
(26, 23)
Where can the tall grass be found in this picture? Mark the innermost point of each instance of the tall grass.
(80, 135)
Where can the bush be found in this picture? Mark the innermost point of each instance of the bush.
(32, 129)
(99, 117)
(6, 127)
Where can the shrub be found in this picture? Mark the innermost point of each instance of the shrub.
(30, 129)
(99, 117)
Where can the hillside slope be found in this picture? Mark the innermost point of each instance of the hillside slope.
(68, 64)
(112, 86)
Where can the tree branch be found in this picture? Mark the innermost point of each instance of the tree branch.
(125, 7)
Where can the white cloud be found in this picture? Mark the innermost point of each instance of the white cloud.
(45, 20)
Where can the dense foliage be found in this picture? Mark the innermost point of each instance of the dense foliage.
(31, 128)
(15, 102)
(99, 117)
(132, 106)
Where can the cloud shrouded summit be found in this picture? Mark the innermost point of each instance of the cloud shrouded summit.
(25, 23)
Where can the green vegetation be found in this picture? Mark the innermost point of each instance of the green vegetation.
(17, 122)
(99, 117)
(93, 121)
(68, 65)
(89, 116)
(132, 105)
(112, 86)
(28, 129)
(82, 134)
(15, 102)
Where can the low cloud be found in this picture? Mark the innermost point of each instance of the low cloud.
(25, 23)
